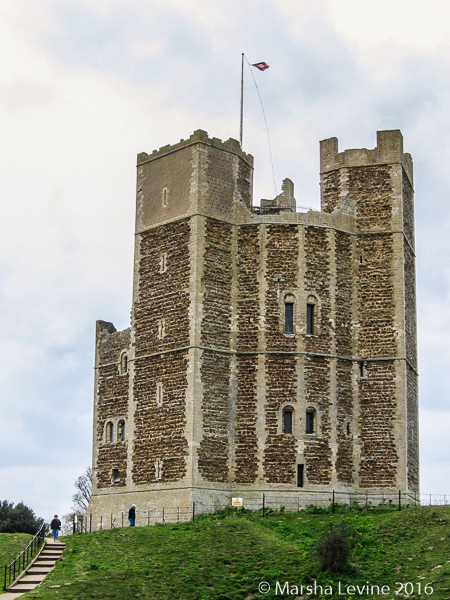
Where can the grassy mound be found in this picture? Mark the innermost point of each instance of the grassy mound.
(227, 555)
(10, 546)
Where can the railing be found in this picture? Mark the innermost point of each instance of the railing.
(434, 499)
(263, 502)
(15, 568)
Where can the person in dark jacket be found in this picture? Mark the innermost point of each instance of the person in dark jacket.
(55, 526)
(132, 515)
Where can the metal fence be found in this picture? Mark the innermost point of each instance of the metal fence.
(264, 503)
(22, 560)
(434, 499)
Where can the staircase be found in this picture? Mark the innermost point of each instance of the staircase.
(36, 572)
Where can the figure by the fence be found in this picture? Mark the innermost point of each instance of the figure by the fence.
(132, 515)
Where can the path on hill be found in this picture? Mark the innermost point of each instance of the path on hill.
(37, 571)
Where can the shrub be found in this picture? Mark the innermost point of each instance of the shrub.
(18, 518)
(334, 548)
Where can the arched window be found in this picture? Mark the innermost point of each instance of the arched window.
(288, 414)
(311, 315)
(289, 313)
(110, 432)
(115, 476)
(123, 363)
(310, 420)
(121, 431)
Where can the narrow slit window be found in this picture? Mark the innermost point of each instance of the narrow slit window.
(310, 318)
(121, 431)
(362, 371)
(158, 468)
(310, 421)
(348, 428)
(110, 432)
(288, 317)
(115, 476)
(287, 421)
(164, 197)
(161, 329)
(300, 475)
(163, 262)
(159, 394)
(124, 364)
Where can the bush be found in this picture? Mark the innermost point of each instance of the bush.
(334, 548)
(18, 519)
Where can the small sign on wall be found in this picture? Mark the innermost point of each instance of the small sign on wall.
(237, 502)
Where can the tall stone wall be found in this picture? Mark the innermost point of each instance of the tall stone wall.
(111, 405)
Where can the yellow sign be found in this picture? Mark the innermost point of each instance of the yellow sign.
(237, 502)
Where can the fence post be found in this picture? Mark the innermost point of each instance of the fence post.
(163, 517)
(148, 518)
(4, 585)
(298, 504)
(430, 499)
(399, 500)
(332, 509)
(264, 504)
(193, 511)
(178, 517)
(101, 522)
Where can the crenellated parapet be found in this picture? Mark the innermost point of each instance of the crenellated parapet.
(231, 145)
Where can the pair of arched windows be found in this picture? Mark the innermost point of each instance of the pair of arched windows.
(311, 315)
(288, 420)
(120, 431)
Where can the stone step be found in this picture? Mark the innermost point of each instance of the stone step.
(22, 587)
(35, 578)
(39, 571)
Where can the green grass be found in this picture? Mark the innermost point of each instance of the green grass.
(10, 546)
(225, 557)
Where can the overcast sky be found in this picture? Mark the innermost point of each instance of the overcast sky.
(85, 85)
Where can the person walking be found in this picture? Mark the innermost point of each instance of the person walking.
(132, 515)
(55, 526)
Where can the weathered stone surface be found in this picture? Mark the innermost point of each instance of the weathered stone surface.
(159, 430)
(280, 449)
(213, 453)
(246, 440)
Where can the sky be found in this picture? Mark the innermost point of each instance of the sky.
(86, 85)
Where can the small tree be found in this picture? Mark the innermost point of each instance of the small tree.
(81, 498)
(334, 547)
(18, 518)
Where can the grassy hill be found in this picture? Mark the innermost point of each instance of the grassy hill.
(226, 556)
(10, 546)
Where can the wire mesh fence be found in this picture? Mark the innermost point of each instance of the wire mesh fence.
(264, 503)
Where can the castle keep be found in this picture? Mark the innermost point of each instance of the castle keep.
(269, 350)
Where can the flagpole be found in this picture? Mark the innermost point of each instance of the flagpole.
(242, 101)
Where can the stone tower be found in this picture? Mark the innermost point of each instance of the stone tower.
(269, 350)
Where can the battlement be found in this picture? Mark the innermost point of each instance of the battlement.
(389, 150)
(199, 136)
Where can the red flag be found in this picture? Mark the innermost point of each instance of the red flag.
(262, 66)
